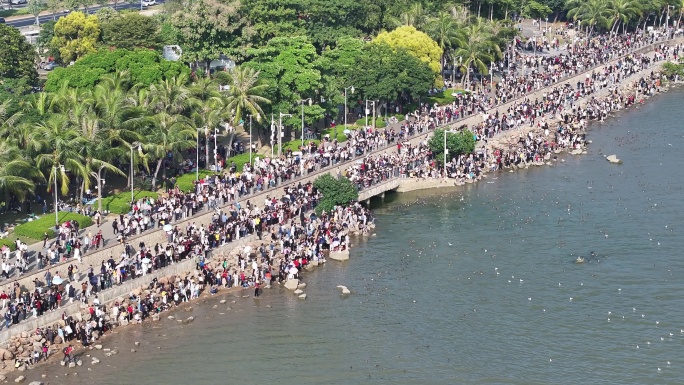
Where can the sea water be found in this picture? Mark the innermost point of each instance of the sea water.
(475, 286)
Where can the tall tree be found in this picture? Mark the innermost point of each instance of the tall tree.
(245, 94)
(17, 56)
(76, 35)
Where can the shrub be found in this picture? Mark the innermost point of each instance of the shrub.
(379, 122)
(186, 182)
(46, 223)
(9, 242)
(336, 191)
(121, 203)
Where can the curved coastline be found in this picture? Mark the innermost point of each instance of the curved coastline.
(417, 184)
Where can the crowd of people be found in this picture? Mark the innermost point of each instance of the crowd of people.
(286, 234)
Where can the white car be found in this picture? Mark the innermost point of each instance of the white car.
(147, 3)
(16, 2)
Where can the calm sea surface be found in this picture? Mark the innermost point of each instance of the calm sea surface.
(427, 304)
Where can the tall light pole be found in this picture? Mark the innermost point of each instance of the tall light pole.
(61, 167)
(132, 146)
(250, 138)
(280, 132)
(206, 146)
(351, 88)
(366, 111)
(302, 103)
(216, 131)
(197, 157)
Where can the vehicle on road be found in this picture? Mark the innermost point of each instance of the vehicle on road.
(50, 66)
(148, 3)
(17, 2)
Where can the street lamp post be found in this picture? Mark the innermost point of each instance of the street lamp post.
(216, 131)
(132, 174)
(280, 132)
(351, 88)
(302, 103)
(206, 147)
(197, 157)
(366, 111)
(61, 167)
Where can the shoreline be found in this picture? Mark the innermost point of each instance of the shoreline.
(439, 182)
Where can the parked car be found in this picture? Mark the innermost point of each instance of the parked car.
(148, 3)
(50, 66)
(15, 2)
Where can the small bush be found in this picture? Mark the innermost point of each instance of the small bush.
(9, 242)
(46, 223)
(336, 191)
(186, 182)
(121, 203)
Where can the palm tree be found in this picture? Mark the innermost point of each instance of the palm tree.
(16, 173)
(414, 17)
(58, 144)
(170, 134)
(444, 30)
(476, 47)
(622, 11)
(592, 13)
(97, 149)
(171, 95)
(244, 94)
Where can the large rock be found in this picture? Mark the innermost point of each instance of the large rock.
(301, 285)
(6, 354)
(577, 151)
(35, 383)
(339, 255)
(95, 361)
(298, 291)
(72, 364)
(302, 296)
(613, 159)
(98, 347)
(291, 284)
(345, 290)
(20, 379)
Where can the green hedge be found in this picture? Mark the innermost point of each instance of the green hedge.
(379, 122)
(186, 182)
(46, 223)
(9, 242)
(121, 203)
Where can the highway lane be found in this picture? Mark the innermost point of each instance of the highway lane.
(30, 20)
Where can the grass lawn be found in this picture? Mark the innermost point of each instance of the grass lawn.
(14, 12)
(121, 203)
(46, 223)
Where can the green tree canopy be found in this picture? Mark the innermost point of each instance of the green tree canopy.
(458, 143)
(76, 35)
(131, 30)
(416, 43)
(384, 73)
(336, 191)
(17, 56)
(289, 67)
(144, 66)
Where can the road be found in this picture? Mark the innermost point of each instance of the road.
(30, 20)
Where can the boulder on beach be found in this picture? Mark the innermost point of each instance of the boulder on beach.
(20, 379)
(291, 284)
(302, 296)
(577, 151)
(298, 291)
(339, 255)
(301, 285)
